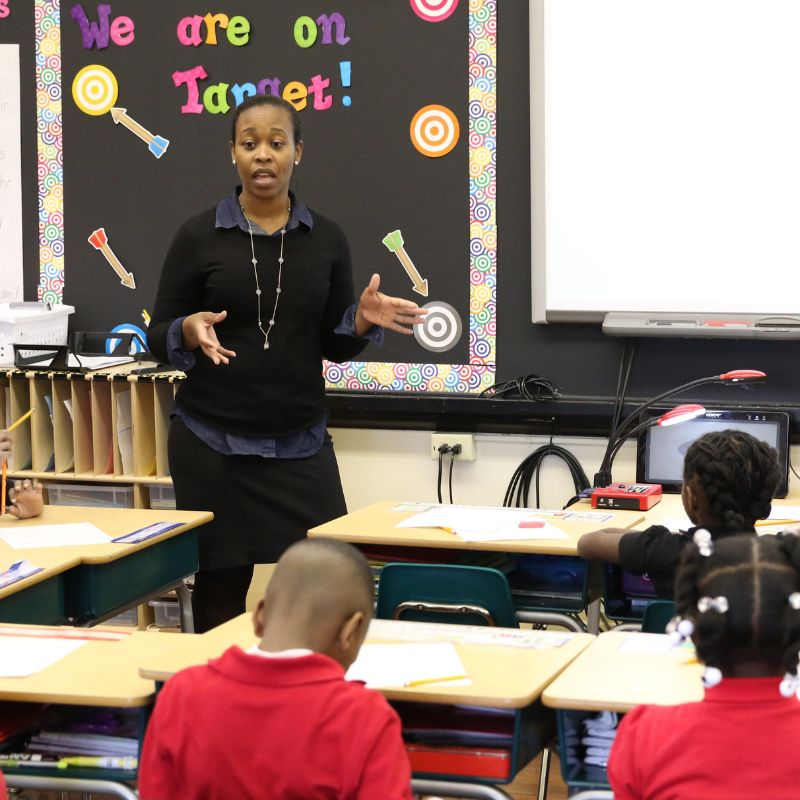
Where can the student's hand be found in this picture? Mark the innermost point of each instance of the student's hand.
(394, 313)
(198, 331)
(5, 446)
(26, 499)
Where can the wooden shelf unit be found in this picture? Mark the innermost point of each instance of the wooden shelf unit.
(107, 426)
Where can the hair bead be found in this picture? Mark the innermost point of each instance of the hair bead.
(705, 544)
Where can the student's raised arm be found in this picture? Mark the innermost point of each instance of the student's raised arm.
(602, 545)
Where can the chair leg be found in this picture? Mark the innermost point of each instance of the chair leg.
(544, 774)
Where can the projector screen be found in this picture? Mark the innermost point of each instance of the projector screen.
(665, 150)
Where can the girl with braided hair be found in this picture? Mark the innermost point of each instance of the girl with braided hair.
(729, 480)
(739, 600)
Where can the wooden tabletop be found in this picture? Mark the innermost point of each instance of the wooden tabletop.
(113, 521)
(376, 524)
(606, 678)
(99, 673)
(500, 675)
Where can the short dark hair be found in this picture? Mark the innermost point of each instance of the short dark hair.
(267, 100)
(756, 575)
(738, 474)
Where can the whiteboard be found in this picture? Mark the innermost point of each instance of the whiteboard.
(10, 177)
(665, 157)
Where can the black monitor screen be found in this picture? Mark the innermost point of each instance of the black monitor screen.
(661, 449)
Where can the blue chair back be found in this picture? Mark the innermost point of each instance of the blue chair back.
(449, 593)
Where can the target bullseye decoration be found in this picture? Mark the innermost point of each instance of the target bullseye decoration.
(434, 131)
(94, 90)
(434, 10)
(440, 329)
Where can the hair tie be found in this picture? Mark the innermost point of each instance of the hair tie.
(789, 685)
(718, 604)
(712, 676)
(794, 601)
(679, 630)
(705, 545)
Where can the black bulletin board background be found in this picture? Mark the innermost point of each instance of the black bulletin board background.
(360, 169)
(359, 166)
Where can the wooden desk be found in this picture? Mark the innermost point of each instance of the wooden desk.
(87, 583)
(603, 678)
(99, 673)
(548, 602)
(501, 676)
(376, 524)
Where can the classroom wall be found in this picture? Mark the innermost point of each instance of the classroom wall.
(390, 464)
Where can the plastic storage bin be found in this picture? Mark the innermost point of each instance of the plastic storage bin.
(167, 612)
(162, 496)
(89, 494)
(31, 323)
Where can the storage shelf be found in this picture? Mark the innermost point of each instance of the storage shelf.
(103, 427)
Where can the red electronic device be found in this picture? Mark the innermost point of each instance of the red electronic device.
(627, 496)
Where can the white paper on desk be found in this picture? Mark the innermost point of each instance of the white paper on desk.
(386, 665)
(677, 524)
(468, 518)
(646, 643)
(513, 532)
(21, 656)
(70, 533)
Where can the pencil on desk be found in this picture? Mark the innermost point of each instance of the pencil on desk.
(20, 420)
(424, 681)
(764, 522)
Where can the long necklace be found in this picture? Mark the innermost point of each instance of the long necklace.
(271, 323)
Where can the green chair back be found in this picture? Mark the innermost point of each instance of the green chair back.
(657, 613)
(449, 593)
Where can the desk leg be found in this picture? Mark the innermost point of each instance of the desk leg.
(185, 606)
(593, 617)
(468, 791)
(551, 618)
(71, 785)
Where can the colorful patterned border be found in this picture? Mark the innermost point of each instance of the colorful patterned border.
(475, 376)
(50, 160)
(479, 374)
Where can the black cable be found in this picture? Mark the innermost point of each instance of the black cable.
(528, 387)
(439, 477)
(450, 481)
(519, 485)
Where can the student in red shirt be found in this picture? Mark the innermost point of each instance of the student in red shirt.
(280, 722)
(739, 600)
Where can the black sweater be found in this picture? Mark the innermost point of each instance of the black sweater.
(261, 392)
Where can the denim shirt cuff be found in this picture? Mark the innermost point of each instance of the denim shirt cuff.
(347, 327)
(178, 357)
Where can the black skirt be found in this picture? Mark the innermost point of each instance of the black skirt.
(261, 505)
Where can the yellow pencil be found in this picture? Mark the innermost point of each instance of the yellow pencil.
(424, 681)
(764, 522)
(20, 420)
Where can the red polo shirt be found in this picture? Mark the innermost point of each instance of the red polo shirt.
(245, 726)
(739, 743)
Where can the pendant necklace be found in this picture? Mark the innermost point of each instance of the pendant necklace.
(254, 260)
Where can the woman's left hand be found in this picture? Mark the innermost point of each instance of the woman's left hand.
(394, 313)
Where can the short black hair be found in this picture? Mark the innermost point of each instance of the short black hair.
(738, 474)
(756, 575)
(267, 100)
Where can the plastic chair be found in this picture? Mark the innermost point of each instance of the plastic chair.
(464, 595)
(657, 614)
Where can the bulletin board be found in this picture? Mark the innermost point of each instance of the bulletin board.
(399, 126)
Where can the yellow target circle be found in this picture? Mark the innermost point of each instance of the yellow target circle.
(434, 131)
(94, 90)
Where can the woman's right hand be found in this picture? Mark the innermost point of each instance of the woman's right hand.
(198, 331)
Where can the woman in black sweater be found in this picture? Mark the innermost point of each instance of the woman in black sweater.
(253, 295)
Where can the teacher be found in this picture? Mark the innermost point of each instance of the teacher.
(254, 293)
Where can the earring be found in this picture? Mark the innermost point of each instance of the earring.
(233, 162)
(297, 163)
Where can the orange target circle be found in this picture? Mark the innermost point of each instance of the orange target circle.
(434, 131)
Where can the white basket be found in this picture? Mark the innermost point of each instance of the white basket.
(31, 323)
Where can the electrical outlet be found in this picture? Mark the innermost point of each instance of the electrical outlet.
(466, 440)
